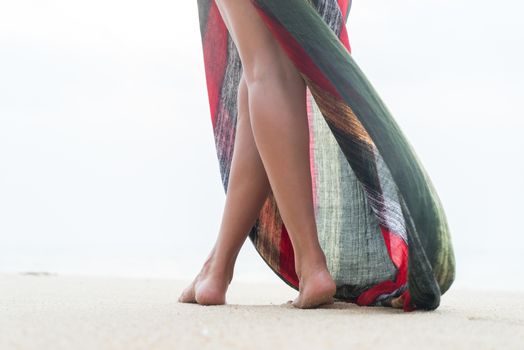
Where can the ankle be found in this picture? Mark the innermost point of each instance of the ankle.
(312, 265)
(219, 267)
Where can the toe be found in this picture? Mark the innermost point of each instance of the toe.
(398, 302)
(188, 295)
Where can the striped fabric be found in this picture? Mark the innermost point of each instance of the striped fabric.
(380, 221)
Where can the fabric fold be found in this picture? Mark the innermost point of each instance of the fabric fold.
(380, 221)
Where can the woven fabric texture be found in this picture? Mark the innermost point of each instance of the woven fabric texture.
(380, 221)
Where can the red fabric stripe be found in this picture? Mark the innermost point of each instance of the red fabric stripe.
(343, 6)
(287, 258)
(407, 302)
(397, 248)
(398, 253)
(215, 57)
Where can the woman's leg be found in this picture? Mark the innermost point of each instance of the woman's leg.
(277, 111)
(248, 188)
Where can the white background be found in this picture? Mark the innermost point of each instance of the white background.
(107, 158)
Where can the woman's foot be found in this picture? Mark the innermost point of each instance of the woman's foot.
(316, 288)
(398, 302)
(209, 287)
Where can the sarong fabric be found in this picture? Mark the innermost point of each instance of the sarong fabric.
(380, 221)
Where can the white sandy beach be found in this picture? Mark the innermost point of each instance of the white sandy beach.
(79, 312)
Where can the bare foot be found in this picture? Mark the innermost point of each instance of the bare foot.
(208, 288)
(398, 302)
(188, 295)
(316, 288)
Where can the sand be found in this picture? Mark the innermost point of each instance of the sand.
(41, 311)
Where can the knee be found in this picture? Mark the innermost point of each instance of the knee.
(270, 70)
(270, 87)
(266, 76)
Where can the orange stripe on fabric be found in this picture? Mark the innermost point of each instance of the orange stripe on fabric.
(339, 114)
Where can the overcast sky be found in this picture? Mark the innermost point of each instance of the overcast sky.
(107, 158)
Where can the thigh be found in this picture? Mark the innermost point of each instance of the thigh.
(259, 51)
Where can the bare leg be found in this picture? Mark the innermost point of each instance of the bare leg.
(247, 190)
(277, 110)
